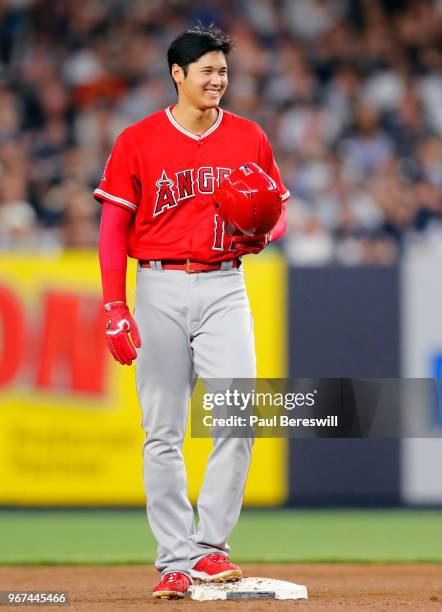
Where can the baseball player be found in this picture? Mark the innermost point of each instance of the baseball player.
(192, 316)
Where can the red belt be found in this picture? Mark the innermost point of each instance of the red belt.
(189, 266)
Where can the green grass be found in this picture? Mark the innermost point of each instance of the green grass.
(82, 537)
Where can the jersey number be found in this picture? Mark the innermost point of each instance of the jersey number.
(219, 231)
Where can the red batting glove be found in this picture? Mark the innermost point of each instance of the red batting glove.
(251, 244)
(118, 327)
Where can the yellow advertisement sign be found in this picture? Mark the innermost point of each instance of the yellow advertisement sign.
(70, 422)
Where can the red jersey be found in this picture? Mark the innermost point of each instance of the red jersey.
(165, 175)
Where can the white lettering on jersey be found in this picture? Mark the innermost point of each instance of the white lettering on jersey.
(165, 196)
(206, 180)
(222, 173)
(185, 184)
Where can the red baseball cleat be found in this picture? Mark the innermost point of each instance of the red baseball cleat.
(173, 585)
(216, 567)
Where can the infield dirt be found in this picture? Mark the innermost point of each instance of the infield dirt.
(330, 587)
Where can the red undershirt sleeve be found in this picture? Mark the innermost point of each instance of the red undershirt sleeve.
(112, 249)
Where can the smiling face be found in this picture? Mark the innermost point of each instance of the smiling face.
(205, 82)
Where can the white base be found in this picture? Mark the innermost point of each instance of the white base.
(249, 588)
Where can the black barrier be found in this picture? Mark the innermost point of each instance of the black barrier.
(316, 408)
(344, 322)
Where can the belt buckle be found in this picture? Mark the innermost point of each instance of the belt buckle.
(188, 268)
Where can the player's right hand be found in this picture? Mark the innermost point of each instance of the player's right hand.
(122, 333)
(251, 244)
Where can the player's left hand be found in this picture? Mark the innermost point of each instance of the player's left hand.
(119, 325)
(251, 244)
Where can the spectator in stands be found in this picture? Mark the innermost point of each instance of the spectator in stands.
(350, 92)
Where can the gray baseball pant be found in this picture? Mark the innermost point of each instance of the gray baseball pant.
(191, 325)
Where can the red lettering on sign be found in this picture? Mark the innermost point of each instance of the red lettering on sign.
(12, 335)
(72, 350)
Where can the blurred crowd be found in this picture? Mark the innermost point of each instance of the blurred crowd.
(349, 92)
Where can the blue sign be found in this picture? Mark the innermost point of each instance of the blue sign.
(437, 375)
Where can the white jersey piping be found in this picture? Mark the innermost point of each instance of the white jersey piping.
(115, 199)
(180, 128)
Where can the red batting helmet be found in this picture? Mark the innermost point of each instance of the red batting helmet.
(249, 201)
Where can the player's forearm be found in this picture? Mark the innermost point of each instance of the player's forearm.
(113, 252)
(280, 228)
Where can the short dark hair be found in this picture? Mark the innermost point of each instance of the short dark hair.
(189, 46)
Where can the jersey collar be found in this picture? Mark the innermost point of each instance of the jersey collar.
(180, 128)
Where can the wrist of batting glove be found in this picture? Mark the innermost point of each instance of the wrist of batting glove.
(122, 335)
(251, 244)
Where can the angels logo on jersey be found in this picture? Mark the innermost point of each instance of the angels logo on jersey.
(186, 184)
